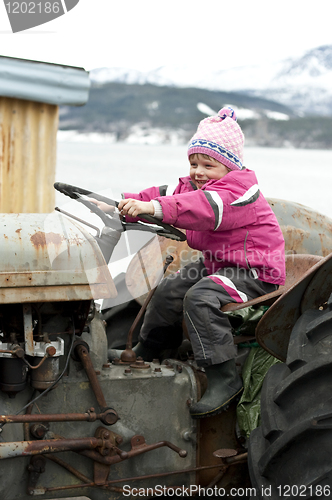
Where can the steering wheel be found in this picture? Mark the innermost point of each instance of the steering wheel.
(76, 193)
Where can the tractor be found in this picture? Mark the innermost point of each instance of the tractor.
(75, 424)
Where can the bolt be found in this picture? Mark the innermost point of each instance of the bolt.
(19, 352)
(38, 430)
(51, 350)
(111, 418)
(157, 369)
(187, 435)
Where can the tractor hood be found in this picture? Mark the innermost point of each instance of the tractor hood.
(47, 257)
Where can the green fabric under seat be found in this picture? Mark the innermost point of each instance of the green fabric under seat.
(254, 370)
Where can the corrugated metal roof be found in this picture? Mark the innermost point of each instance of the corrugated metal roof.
(43, 82)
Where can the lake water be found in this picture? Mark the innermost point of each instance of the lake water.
(300, 175)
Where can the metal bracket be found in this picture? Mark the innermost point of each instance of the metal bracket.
(101, 471)
(28, 329)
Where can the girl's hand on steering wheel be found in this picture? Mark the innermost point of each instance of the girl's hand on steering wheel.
(108, 209)
(128, 206)
(134, 208)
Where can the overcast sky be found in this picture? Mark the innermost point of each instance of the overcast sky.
(145, 34)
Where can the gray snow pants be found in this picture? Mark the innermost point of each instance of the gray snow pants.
(197, 297)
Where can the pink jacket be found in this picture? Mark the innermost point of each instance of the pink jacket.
(229, 220)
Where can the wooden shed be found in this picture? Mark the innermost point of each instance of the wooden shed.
(30, 95)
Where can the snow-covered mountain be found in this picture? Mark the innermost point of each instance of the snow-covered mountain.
(304, 84)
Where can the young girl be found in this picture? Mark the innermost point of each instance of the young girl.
(227, 218)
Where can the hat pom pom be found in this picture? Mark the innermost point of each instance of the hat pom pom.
(227, 111)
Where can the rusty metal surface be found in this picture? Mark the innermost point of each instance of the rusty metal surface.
(274, 329)
(138, 448)
(224, 453)
(28, 329)
(304, 229)
(215, 433)
(46, 372)
(143, 491)
(104, 443)
(141, 400)
(41, 254)
(296, 266)
(83, 354)
(30, 448)
(88, 416)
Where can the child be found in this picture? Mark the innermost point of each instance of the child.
(229, 220)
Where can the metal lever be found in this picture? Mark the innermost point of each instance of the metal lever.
(128, 355)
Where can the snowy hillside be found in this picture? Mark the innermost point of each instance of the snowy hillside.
(182, 76)
(155, 114)
(304, 84)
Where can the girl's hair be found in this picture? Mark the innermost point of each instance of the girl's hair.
(206, 157)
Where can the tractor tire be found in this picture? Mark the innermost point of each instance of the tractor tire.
(290, 453)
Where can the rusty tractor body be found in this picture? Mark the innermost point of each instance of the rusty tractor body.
(72, 423)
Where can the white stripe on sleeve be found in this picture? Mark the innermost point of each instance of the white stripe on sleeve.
(252, 191)
(220, 204)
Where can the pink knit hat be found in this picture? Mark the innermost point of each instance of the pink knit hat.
(221, 138)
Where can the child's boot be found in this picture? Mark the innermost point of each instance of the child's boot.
(224, 387)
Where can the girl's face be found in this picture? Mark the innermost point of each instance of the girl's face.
(204, 169)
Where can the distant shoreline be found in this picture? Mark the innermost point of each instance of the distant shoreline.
(155, 138)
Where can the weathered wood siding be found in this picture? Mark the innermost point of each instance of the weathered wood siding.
(28, 132)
